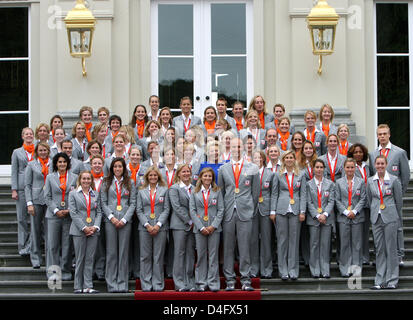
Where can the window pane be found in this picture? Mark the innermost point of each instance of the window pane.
(393, 81)
(176, 80)
(14, 83)
(228, 29)
(13, 125)
(392, 28)
(175, 29)
(398, 121)
(229, 78)
(13, 32)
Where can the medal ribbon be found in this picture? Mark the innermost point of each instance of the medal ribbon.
(310, 171)
(63, 186)
(381, 193)
(118, 193)
(319, 195)
(350, 192)
(332, 172)
(290, 188)
(88, 204)
(205, 203)
(186, 127)
(172, 178)
(152, 201)
(385, 153)
(365, 173)
(311, 136)
(237, 174)
(262, 175)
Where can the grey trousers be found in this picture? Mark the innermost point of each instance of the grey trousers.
(387, 262)
(350, 246)
(169, 254)
(288, 237)
(59, 246)
(100, 255)
(260, 252)
(320, 245)
(207, 268)
(366, 236)
(184, 259)
(23, 228)
(400, 240)
(38, 232)
(117, 257)
(238, 232)
(152, 259)
(85, 248)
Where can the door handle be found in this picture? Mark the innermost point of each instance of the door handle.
(198, 98)
(207, 98)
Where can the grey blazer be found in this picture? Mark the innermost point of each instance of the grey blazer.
(143, 208)
(327, 202)
(267, 179)
(358, 200)
(281, 198)
(397, 164)
(34, 182)
(320, 143)
(392, 199)
(78, 211)
(288, 143)
(78, 151)
(339, 167)
(110, 201)
(261, 142)
(179, 202)
(246, 200)
(19, 163)
(178, 123)
(215, 210)
(53, 193)
(76, 166)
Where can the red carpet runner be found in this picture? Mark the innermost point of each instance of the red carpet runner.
(171, 294)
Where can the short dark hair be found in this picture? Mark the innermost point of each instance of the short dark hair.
(115, 117)
(350, 153)
(56, 158)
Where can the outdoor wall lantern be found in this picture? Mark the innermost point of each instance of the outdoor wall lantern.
(80, 24)
(322, 22)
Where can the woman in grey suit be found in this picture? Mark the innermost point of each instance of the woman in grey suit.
(320, 219)
(153, 210)
(34, 181)
(253, 127)
(333, 160)
(261, 259)
(207, 211)
(287, 212)
(119, 152)
(118, 196)
(19, 160)
(181, 226)
(93, 148)
(79, 141)
(384, 193)
(360, 153)
(58, 136)
(56, 192)
(326, 116)
(85, 211)
(350, 200)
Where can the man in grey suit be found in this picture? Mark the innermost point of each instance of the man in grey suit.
(76, 166)
(397, 165)
(239, 182)
(186, 120)
(221, 106)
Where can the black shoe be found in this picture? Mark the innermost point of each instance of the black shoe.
(345, 275)
(101, 279)
(247, 287)
(392, 286)
(293, 278)
(77, 291)
(182, 290)
(316, 276)
(284, 278)
(326, 276)
(230, 287)
(366, 263)
(376, 288)
(401, 264)
(36, 266)
(201, 289)
(214, 290)
(266, 277)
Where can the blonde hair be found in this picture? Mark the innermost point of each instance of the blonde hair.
(310, 112)
(296, 169)
(198, 186)
(383, 126)
(341, 126)
(252, 104)
(178, 171)
(161, 181)
(92, 185)
(326, 105)
(129, 134)
(83, 109)
(97, 128)
(247, 116)
(42, 124)
(74, 128)
(146, 132)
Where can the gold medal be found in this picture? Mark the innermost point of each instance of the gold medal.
(152, 216)
(349, 208)
(62, 204)
(236, 190)
(205, 218)
(88, 219)
(260, 199)
(119, 207)
(319, 210)
(382, 206)
(292, 201)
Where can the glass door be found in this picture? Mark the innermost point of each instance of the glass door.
(201, 49)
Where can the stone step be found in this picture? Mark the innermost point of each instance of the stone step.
(4, 195)
(66, 296)
(10, 226)
(8, 248)
(10, 215)
(22, 274)
(7, 205)
(8, 237)
(15, 260)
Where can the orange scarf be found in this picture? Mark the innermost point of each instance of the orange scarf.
(134, 171)
(262, 120)
(239, 124)
(284, 139)
(311, 136)
(54, 140)
(140, 126)
(97, 175)
(45, 167)
(210, 128)
(343, 147)
(326, 129)
(62, 180)
(29, 149)
(88, 126)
